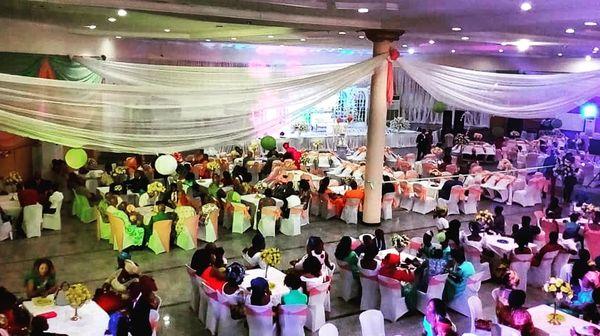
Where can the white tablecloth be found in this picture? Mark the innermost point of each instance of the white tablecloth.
(403, 255)
(340, 190)
(491, 243)
(433, 189)
(542, 327)
(252, 201)
(480, 149)
(273, 275)
(402, 139)
(10, 207)
(93, 322)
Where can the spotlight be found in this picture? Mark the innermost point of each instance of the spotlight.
(411, 51)
(121, 12)
(589, 110)
(363, 10)
(570, 31)
(526, 6)
(523, 45)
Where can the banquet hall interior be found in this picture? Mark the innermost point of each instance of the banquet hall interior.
(299, 167)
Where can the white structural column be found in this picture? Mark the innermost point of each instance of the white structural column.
(382, 41)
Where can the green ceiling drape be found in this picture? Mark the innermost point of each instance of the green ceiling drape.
(29, 64)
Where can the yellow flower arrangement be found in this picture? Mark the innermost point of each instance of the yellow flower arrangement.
(13, 178)
(559, 289)
(156, 188)
(484, 217)
(213, 166)
(78, 294)
(271, 256)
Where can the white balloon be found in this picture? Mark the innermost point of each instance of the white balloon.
(166, 164)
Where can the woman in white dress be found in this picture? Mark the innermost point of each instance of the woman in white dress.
(252, 255)
(315, 247)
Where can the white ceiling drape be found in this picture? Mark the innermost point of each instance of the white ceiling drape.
(165, 113)
(507, 95)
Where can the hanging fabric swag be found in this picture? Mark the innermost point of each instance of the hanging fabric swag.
(202, 111)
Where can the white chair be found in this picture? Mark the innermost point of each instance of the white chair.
(32, 220)
(260, 320)
(566, 271)
(491, 181)
(305, 217)
(326, 207)
(328, 329)
(460, 302)
(387, 205)
(350, 211)
(291, 226)
(537, 276)
(213, 309)
(268, 219)
(521, 263)
(292, 319)
(202, 300)
(316, 306)
(371, 323)
(53, 221)
(525, 197)
(370, 289)
(457, 195)
(502, 330)
(6, 231)
(473, 255)
(350, 286)
(393, 305)
(475, 313)
(435, 289)
(502, 188)
(227, 325)
(469, 206)
(559, 262)
(144, 200)
(422, 204)
(194, 300)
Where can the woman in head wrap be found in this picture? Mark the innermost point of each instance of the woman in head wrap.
(390, 267)
(260, 295)
(252, 254)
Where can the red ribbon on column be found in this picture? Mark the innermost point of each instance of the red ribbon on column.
(394, 54)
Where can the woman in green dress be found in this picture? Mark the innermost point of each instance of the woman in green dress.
(41, 280)
(344, 252)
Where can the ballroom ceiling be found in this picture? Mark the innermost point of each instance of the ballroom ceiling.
(487, 27)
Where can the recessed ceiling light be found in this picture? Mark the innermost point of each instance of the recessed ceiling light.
(453, 51)
(596, 49)
(302, 40)
(342, 33)
(504, 43)
(363, 10)
(361, 36)
(590, 23)
(91, 27)
(167, 30)
(208, 40)
(500, 50)
(431, 42)
(456, 29)
(234, 38)
(270, 36)
(526, 6)
(559, 54)
(118, 37)
(570, 31)
(112, 19)
(122, 12)
(523, 45)
(405, 46)
(465, 38)
(588, 58)
(411, 51)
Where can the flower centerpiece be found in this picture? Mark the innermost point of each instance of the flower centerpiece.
(253, 147)
(317, 144)
(515, 134)
(505, 165)
(213, 166)
(300, 127)
(477, 136)
(155, 188)
(462, 139)
(118, 171)
(484, 217)
(271, 257)
(437, 151)
(400, 241)
(559, 289)
(77, 295)
(399, 124)
(13, 179)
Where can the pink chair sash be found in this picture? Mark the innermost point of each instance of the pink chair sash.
(390, 283)
(475, 192)
(420, 192)
(264, 313)
(414, 245)
(303, 312)
(458, 191)
(435, 282)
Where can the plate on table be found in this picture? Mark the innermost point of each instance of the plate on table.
(42, 301)
(502, 241)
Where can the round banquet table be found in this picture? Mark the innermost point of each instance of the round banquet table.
(147, 213)
(93, 322)
(273, 276)
(11, 206)
(491, 242)
(542, 327)
(251, 200)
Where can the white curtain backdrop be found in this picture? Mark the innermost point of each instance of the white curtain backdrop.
(507, 95)
(164, 113)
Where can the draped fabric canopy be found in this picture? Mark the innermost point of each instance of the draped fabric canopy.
(506, 95)
(167, 113)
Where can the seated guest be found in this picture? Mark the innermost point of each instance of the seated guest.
(390, 267)
(445, 327)
(39, 325)
(354, 192)
(201, 259)
(14, 319)
(295, 295)
(180, 215)
(125, 275)
(54, 198)
(252, 254)
(434, 312)
(498, 225)
(583, 298)
(509, 281)
(311, 272)
(475, 238)
(457, 280)
(551, 246)
(27, 194)
(436, 264)
(453, 233)
(439, 214)
(516, 316)
(135, 229)
(379, 240)
(139, 312)
(387, 187)
(161, 214)
(334, 198)
(368, 261)
(529, 232)
(343, 252)
(365, 241)
(260, 295)
(215, 185)
(522, 245)
(289, 202)
(234, 276)
(572, 228)
(139, 182)
(553, 211)
(304, 193)
(447, 187)
(427, 248)
(226, 180)
(213, 276)
(41, 280)
(316, 248)
(580, 267)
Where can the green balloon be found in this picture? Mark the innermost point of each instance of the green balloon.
(268, 142)
(439, 107)
(497, 131)
(76, 158)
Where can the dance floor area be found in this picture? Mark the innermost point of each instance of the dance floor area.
(79, 257)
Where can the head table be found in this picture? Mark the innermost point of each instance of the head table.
(542, 327)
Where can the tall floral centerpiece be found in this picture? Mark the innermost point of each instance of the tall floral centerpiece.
(12, 180)
(400, 241)
(77, 295)
(399, 124)
(485, 218)
(317, 144)
(559, 289)
(271, 257)
(155, 189)
(300, 127)
(213, 166)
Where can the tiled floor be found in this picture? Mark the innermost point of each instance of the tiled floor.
(79, 257)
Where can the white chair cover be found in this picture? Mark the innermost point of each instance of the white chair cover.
(6, 231)
(350, 211)
(328, 329)
(292, 319)
(194, 297)
(371, 323)
(291, 226)
(350, 286)
(521, 263)
(266, 224)
(559, 262)
(537, 276)
(213, 309)
(370, 288)
(227, 325)
(473, 255)
(260, 320)
(91, 185)
(460, 303)
(502, 330)
(475, 311)
(566, 271)
(32, 220)
(470, 205)
(53, 221)
(393, 305)
(457, 195)
(387, 205)
(423, 205)
(435, 289)
(317, 296)
(525, 197)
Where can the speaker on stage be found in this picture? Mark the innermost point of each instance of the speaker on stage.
(459, 121)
